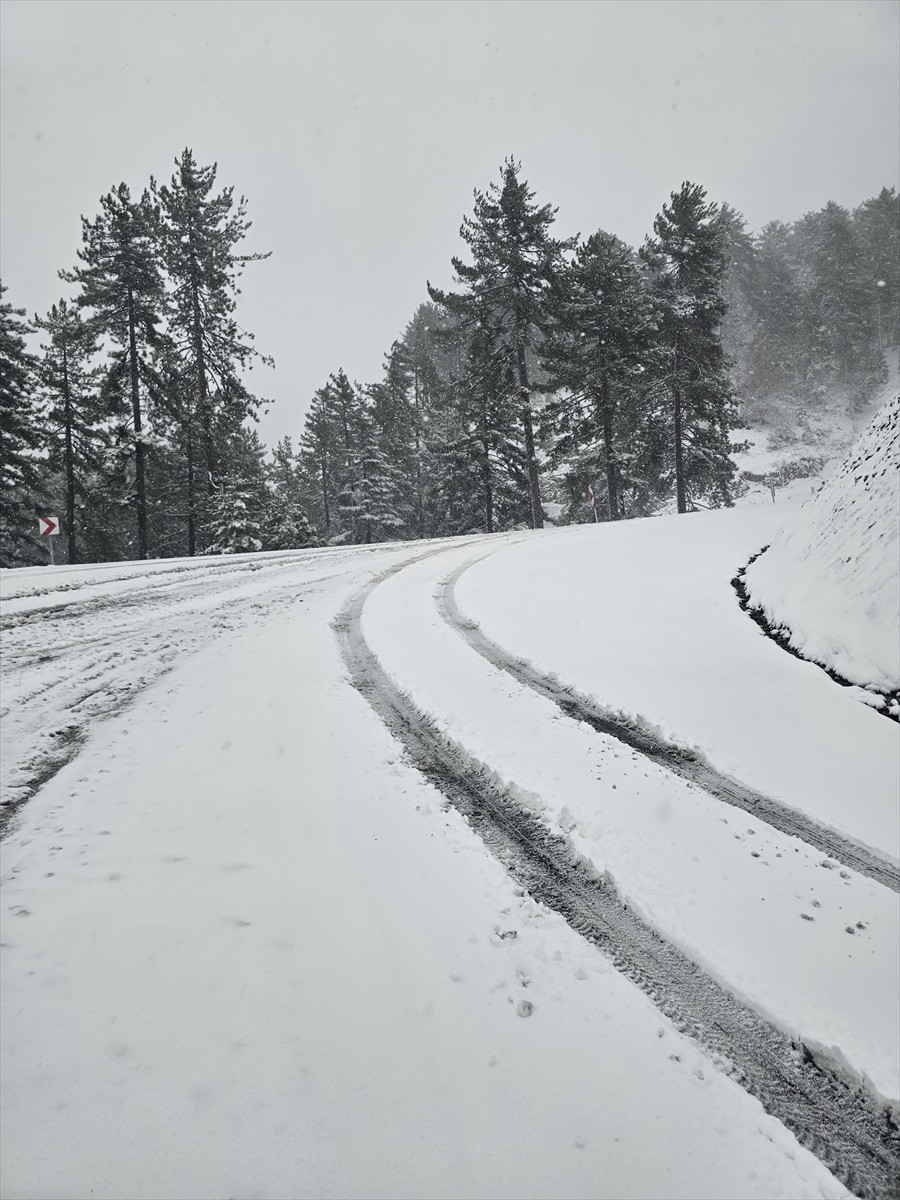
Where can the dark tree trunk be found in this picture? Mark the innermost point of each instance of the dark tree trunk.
(486, 468)
(680, 494)
(139, 469)
(203, 388)
(71, 550)
(192, 519)
(325, 497)
(534, 486)
(606, 421)
(420, 504)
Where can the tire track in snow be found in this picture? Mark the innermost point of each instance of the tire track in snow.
(680, 760)
(83, 657)
(857, 1140)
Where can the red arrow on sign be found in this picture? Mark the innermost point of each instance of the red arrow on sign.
(48, 526)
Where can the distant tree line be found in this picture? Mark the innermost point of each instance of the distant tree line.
(554, 365)
(559, 364)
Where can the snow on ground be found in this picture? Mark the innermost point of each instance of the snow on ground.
(753, 906)
(247, 951)
(831, 578)
(801, 445)
(81, 643)
(641, 616)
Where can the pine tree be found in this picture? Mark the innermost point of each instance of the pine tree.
(288, 527)
(235, 527)
(840, 324)
(121, 283)
(436, 349)
(21, 436)
(77, 428)
(738, 324)
(779, 362)
(514, 263)
(396, 448)
(489, 408)
(877, 225)
(596, 354)
(200, 234)
(332, 457)
(378, 493)
(318, 461)
(687, 261)
(240, 502)
(352, 436)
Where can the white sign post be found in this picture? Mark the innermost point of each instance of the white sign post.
(592, 501)
(48, 527)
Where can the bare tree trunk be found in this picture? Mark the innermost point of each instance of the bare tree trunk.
(139, 469)
(325, 496)
(420, 501)
(534, 486)
(192, 519)
(612, 490)
(71, 551)
(680, 495)
(203, 390)
(486, 468)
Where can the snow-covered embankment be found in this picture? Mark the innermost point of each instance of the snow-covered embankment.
(830, 581)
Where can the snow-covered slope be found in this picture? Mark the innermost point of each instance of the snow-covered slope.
(795, 446)
(830, 580)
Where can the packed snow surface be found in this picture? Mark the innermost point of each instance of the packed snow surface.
(831, 577)
(756, 908)
(248, 950)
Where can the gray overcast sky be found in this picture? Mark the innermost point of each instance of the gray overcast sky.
(357, 132)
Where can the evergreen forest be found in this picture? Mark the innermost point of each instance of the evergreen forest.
(561, 380)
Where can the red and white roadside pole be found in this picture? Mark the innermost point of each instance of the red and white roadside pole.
(48, 527)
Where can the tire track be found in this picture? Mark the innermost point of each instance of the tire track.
(856, 1139)
(68, 667)
(681, 761)
(82, 657)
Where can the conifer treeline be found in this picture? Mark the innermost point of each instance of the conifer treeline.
(554, 365)
(132, 422)
(560, 364)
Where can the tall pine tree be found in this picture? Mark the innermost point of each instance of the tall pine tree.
(200, 234)
(687, 261)
(596, 353)
(21, 435)
(515, 261)
(121, 283)
(76, 424)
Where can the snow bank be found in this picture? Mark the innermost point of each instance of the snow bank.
(831, 578)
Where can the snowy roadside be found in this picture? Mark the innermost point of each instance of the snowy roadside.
(830, 580)
(815, 950)
(247, 951)
(641, 617)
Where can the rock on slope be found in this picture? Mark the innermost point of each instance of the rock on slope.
(830, 581)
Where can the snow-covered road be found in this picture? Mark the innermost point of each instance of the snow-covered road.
(249, 950)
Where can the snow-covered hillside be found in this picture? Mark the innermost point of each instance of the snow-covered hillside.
(830, 580)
